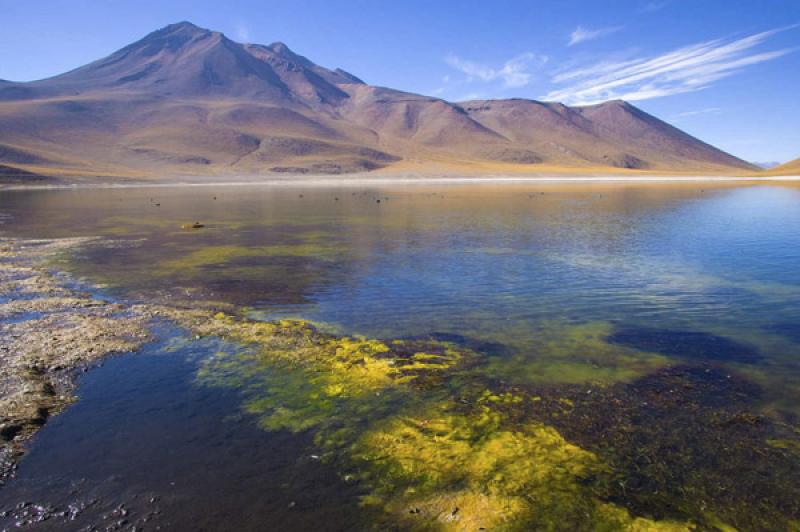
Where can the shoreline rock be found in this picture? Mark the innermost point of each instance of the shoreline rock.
(49, 332)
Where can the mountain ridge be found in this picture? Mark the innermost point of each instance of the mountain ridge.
(185, 100)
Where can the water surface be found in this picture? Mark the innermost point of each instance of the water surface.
(616, 290)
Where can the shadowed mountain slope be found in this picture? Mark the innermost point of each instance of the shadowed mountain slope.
(188, 101)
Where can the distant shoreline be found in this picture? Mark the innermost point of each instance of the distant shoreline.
(327, 181)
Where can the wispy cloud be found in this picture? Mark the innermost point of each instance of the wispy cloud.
(582, 34)
(513, 73)
(697, 112)
(442, 88)
(686, 69)
(655, 5)
(470, 96)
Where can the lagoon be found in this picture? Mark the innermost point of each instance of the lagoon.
(515, 356)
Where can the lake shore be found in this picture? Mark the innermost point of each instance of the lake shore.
(51, 330)
(355, 180)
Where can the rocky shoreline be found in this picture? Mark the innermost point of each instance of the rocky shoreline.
(50, 331)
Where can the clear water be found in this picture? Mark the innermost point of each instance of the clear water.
(557, 285)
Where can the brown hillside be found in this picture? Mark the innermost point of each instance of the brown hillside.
(790, 168)
(189, 101)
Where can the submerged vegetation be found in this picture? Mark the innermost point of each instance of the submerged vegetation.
(447, 467)
(568, 353)
(211, 256)
(384, 411)
(438, 442)
(573, 425)
(687, 442)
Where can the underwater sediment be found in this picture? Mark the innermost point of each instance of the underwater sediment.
(433, 434)
(437, 444)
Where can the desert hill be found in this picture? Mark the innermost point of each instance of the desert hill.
(790, 168)
(188, 101)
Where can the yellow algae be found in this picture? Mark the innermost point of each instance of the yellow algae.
(305, 378)
(426, 462)
(502, 398)
(441, 469)
(791, 446)
(228, 253)
(346, 364)
(208, 255)
(614, 518)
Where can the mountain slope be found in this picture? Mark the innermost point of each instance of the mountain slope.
(613, 134)
(790, 168)
(188, 101)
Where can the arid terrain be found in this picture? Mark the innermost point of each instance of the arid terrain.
(790, 168)
(186, 101)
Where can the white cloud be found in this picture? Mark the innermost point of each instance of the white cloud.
(470, 96)
(655, 5)
(513, 73)
(686, 69)
(582, 34)
(688, 114)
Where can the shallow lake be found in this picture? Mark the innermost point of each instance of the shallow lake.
(634, 358)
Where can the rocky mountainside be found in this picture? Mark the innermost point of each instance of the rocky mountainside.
(189, 101)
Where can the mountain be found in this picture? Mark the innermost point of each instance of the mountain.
(614, 133)
(188, 101)
(790, 168)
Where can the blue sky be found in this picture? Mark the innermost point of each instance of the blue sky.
(725, 71)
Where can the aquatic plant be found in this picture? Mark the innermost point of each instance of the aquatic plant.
(559, 353)
(299, 377)
(686, 442)
(384, 412)
(215, 255)
(443, 468)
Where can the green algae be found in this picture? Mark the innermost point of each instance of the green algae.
(300, 377)
(213, 263)
(442, 468)
(571, 354)
(782, 399)
(223, 254)
(383, 411)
